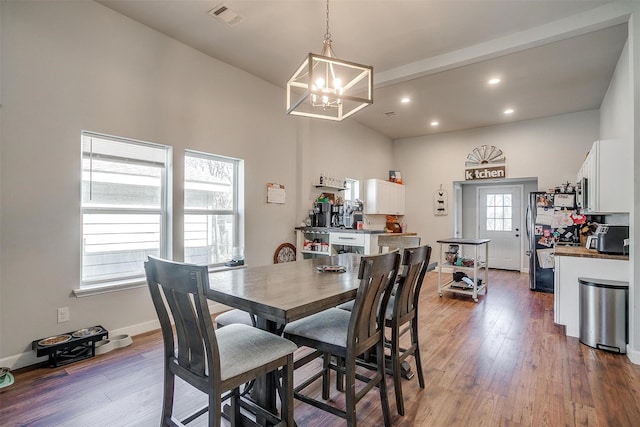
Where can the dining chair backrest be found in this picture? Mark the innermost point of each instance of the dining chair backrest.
(377, 274)
(415, 262)
(183, 286)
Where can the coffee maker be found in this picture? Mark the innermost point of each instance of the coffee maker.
(321, 215)
(349, 210)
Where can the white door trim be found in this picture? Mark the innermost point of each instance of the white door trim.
(520, 188)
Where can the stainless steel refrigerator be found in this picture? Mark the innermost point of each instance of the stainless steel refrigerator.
(551, 219)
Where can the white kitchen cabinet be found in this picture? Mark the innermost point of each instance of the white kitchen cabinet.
(362, 243)
(315, 242)
(384, 198)
(566, 295)
(608, 173)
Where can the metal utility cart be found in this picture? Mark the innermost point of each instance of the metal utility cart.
(458, 287)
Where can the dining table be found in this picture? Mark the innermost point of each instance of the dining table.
(281, 293)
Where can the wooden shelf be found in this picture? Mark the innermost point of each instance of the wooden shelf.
(328, 186)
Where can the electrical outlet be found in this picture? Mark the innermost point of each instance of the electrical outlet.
(63, 314)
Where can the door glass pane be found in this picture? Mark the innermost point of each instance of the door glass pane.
(499, 212)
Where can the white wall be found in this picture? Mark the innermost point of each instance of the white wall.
(73, 66)
(345, 149)
(551, 149)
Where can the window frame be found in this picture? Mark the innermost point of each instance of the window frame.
(88, 287)
(352, 184)
(235, 210)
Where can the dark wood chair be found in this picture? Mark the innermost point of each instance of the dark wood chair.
(402, 309)
(346, 335)
(213, 361)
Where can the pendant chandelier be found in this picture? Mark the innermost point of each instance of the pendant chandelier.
(326, 87)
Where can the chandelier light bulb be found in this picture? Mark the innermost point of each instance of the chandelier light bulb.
(320, 82)
(337, 83)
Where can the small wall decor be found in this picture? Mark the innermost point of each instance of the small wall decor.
(275, 193)
(440, 202)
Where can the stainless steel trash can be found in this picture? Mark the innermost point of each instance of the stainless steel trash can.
(604, 314)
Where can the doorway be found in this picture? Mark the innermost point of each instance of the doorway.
(467, 213)
(500, 219)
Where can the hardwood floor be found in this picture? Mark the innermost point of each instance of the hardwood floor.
(500, 362)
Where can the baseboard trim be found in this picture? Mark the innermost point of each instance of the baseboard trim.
(633, 355)
(29, 358)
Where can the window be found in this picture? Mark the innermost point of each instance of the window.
(499, 212)
(124, 207)
(211, 219)
(352, 191)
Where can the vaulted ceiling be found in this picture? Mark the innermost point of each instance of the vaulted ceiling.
(552, 56)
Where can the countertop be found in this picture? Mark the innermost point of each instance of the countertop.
(582, 252)
(349, 230)
(475, 242)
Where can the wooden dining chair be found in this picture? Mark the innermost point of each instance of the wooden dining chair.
(402, 309)
(213, 361)
(346, 335)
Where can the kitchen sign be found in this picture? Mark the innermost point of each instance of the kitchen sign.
(485, 173)
(485, 162)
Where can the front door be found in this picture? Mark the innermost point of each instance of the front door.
(499, 219)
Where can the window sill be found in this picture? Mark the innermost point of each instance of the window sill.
(110, 287)
(124, 285)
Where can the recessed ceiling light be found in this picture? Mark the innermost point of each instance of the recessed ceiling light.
(405, 100)
(508, 111)
(434, 123)
(494, 81)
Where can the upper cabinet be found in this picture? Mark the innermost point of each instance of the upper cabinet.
(384, 197)
(605, 179)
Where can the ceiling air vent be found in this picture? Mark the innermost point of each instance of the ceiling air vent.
(226, 15)
(390, 113)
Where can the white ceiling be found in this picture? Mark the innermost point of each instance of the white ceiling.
(553, 56)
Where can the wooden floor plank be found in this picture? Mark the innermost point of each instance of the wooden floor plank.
(499, 362)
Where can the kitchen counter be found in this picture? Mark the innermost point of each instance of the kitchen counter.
(348, 230)
(571, 263)
(582, 252)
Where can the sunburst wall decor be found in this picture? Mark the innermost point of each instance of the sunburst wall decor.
(483, 155)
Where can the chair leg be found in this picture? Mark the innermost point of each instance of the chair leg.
(339, 375)
(383, 384)
(416, 353)
(350, 392)
(167, 400)
(396, 369)
(236, 420)
(215, 410)
(287, 396)
(326, 375)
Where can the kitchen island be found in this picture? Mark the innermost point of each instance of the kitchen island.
(326, 241)
(572, 262)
